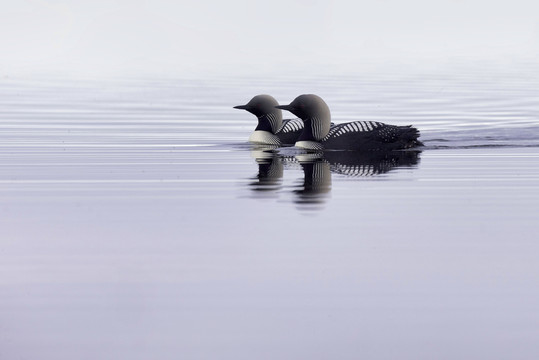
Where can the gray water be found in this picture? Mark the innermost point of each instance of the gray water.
(136, 222)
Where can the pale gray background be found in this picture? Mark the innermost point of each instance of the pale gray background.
(100, 37)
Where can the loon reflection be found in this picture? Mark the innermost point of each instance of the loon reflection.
(353, 163)
(316, 181)
(314, 188)
(270, 171)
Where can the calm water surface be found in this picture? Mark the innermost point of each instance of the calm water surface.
(136, 222)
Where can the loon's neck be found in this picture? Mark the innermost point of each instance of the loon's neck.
(307, 133)
(314, 129)
(269, 122)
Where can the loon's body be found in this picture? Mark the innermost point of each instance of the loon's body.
(318, 134)
(271, 128)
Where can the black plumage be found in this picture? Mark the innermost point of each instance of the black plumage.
(369, 135)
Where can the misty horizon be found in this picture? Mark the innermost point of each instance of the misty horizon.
(126, 38)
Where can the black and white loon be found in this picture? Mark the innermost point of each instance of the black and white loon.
(357, 135)
(271, 129)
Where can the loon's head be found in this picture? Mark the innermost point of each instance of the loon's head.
(264, 107)
(314, 112)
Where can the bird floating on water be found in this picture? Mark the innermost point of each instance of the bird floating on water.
(271, 129)
(318, 134)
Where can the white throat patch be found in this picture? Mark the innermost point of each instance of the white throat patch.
(264, 137)
(309, 145)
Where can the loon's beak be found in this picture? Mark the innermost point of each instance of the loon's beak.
(285, 107)
(242, 107)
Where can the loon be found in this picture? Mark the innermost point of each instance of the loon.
(271, 129)
(357, 135)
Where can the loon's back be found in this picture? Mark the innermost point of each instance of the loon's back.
(371, 135)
